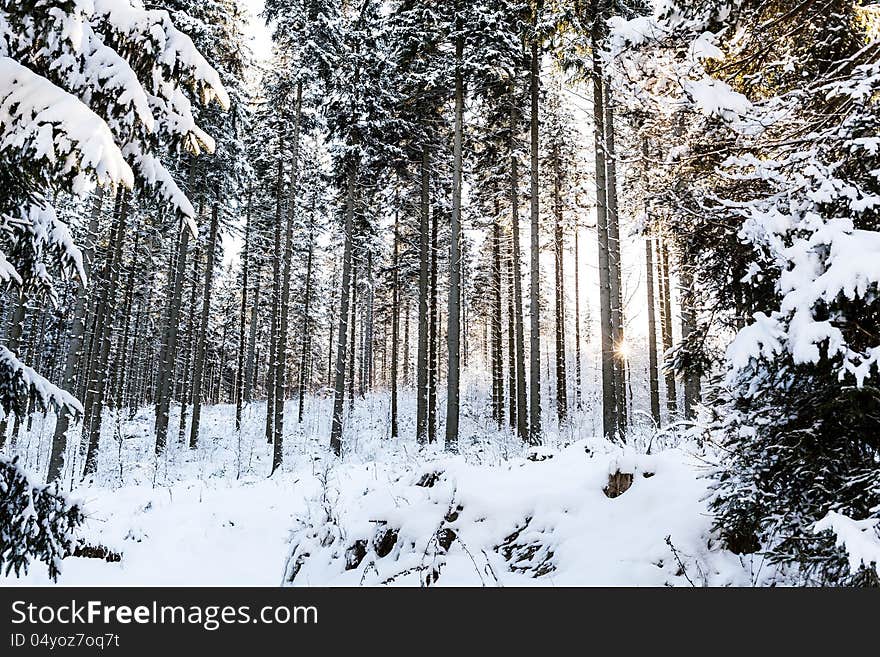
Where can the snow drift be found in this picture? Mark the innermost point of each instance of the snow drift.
(550, 520)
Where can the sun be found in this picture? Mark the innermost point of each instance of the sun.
(623, 350)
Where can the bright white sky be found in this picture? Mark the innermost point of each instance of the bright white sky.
(261, 41)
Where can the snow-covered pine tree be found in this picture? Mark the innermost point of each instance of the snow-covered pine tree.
(36, 522)
(93, 94)
(784, 202)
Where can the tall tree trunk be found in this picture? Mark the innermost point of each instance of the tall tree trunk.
(558, 243)
(330, 373)
(168, 354)
(75, 347)
(352, 344)
(522, 421)
(511, 343)
(614, 265)
(186, 396)
(136, 361)
(252, 338)
(221, 362)
(276, 296)
(367, 335)
(339, 383)
(422, 355)
(120, 364)
(577, 316)
(453, 327)
(433, 342)
(395, 324)
(463, 304)
(242, 319)
(609, 388)
(535, 260)
(199, 365)
(406, 348)
(496, 351)
(666, 311)
(306, 324)
(653, 379)
(106, 308)
(281, 347)
(95, 374)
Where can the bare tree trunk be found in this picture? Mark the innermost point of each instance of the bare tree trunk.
(352, 344)
(186, 396)
(252, 339)
(395, 325)
(511, 343)
(666, 312)
(609, 389)
(136, 360)
(75, 347)
(463, 304)
(330, 373)
(306, 325)
(168, 354)
(522, 421)
(120, 364)
(284, 308)
(558, 243)
(433, 352)
(221, 362)
(422, 356)
(276, 296)
(653, 379)
(614, 265)
(339, 383)
(199, 369)
(535, 261)
(577, 316)
(100, 296)
(242, 320)
(453, 319)
(495, 322)
(406, 347)
(367, 334)
(106, 309)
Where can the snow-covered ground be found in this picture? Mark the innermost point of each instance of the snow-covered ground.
(388, 512)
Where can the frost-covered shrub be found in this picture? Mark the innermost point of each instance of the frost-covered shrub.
(36, 522)
(450, 522)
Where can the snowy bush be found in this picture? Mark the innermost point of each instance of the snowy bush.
(36, 522)
(558, 519)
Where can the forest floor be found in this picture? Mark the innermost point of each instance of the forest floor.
(388, 513)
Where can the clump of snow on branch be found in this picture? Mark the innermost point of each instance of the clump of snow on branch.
(44, 122)
(17, 380)
(859, 538)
